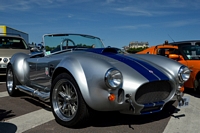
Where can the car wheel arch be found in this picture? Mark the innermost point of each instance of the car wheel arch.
(83, 88)
(79, 111)
(16, 62)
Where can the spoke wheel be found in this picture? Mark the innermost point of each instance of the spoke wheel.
(65, 100)
(67, 103)
(11, 82)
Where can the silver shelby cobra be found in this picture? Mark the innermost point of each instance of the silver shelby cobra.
(76, 73)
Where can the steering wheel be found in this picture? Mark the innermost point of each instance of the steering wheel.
(67, 42)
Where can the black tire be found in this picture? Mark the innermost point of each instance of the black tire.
(11, 82)
(197, 85)
(67, 103)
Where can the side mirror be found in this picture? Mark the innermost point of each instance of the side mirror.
(175, 57)
(40, 47)
(34, 49)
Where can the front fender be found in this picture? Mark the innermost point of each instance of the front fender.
(73, 66)
(90, 79)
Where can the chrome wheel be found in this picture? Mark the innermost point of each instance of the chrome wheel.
(65, 100)
(10, 80)
(68, 106)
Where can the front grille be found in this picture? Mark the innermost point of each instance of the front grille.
(153, 92)
(5, 59)
(2, 70)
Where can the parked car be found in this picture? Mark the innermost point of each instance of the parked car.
(185, 52)
(77, 74)
(9, 45)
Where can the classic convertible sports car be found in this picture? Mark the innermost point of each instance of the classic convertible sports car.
(76, 73)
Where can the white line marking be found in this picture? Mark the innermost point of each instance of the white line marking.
(4, 94)
(31, 120)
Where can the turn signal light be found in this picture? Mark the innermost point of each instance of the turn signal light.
(182, 89)
(111, 97)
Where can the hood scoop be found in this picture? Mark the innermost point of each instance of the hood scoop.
(110, 50)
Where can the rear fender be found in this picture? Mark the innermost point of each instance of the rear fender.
(20, 67)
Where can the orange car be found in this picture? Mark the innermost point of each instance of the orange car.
(185, 52)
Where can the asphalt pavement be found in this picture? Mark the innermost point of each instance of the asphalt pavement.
(186, 120)
(24, 110)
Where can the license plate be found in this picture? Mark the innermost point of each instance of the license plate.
(185, 103)
(3, 65)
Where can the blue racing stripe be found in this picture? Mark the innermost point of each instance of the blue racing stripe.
(159, 103)
(149, 67)
(140, 66)
(135, 66)
(151, 112)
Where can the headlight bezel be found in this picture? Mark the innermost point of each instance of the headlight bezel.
(113, 78)
(183, 74)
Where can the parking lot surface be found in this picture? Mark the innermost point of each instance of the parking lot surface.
(27, 114)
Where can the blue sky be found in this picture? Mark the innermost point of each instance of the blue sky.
(116, 22)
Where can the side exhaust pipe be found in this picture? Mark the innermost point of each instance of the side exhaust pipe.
(44, 96)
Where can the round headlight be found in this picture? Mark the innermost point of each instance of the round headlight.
(113, 78)
(183, 74)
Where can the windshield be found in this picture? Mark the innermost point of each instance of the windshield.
(12, 43)
(192, 52)
(57, 42)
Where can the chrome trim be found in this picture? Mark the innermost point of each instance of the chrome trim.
(44, 96)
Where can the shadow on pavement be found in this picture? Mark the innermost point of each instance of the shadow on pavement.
(37, 102)
(106, 119)
(5, 114)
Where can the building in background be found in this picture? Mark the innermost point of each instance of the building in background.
(5, 30)
(137, 44)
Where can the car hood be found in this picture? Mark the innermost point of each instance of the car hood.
(149, 70)
(10, 52)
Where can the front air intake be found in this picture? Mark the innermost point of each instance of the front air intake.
(153, 92)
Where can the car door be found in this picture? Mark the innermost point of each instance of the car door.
(43, 79)
(38, 71)
(32, 73)
(45, 67)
